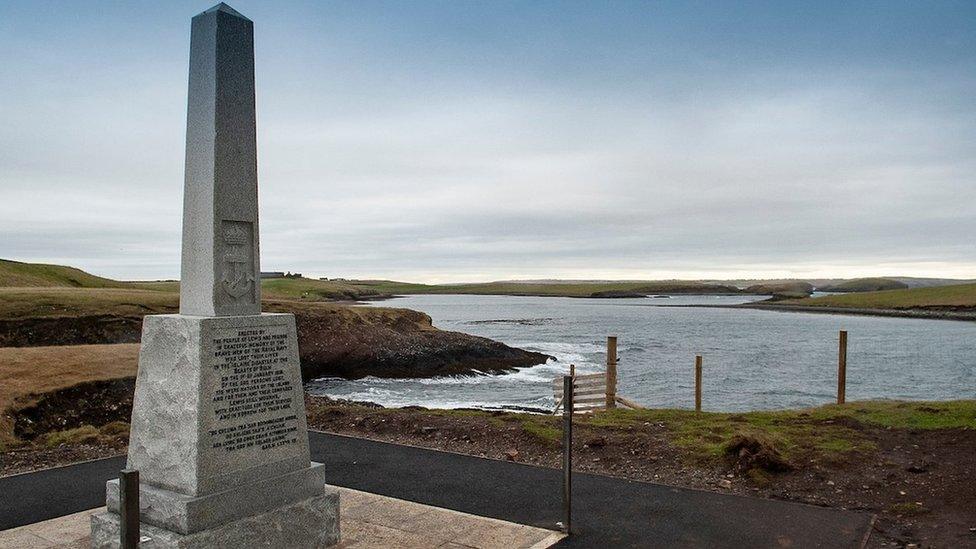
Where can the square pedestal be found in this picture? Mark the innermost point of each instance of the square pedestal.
(219, 437)
(310, 523)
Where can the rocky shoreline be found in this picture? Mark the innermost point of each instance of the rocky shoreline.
(964, 314)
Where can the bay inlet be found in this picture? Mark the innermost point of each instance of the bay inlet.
(753, 359)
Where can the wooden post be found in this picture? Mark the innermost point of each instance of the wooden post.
(128, 509)
(698, 382)
(611, 372)
(572, 370)
(567, 454)
(842, 368)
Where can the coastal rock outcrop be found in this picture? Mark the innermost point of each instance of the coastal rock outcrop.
(334, 340)
(354, 342)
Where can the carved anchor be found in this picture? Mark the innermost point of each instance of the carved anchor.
(242, 280)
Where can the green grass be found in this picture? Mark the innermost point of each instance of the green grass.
(16, 273)
(311, 289)
(56, 302)
(867, 285)
(959, 295)
(826, 431)
(953, 414)
(132, 299)
(543, 428)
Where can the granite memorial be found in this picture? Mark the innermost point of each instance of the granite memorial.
(218, 430)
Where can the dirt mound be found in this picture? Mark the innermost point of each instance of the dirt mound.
(749, 451)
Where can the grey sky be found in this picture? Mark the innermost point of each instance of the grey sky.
(463, 141)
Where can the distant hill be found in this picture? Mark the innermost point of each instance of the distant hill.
(948, 297)
(602, 289)
(16, 273)
(866, 285)
(913, 282)
(782, 290)
(37, 275)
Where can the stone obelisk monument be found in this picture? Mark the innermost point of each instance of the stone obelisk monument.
(218, 431)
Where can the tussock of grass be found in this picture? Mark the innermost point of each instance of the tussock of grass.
(87, 434)
(115, 429)
(907, 509)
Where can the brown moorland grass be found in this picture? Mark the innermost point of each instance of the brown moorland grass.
(25, 371)
(18, 303)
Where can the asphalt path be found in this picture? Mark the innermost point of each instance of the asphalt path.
(607, 512)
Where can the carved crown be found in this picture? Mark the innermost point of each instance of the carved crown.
(235, 235)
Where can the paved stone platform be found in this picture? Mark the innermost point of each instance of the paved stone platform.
(366, 520)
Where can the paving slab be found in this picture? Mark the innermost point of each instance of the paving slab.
(608, 512)
(373, 521)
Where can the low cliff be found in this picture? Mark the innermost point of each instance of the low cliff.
(333, 339)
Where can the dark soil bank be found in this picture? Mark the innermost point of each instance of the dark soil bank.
(333, 340)
(70, 330)
(94, 403)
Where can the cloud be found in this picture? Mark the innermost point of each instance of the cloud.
(461, 160)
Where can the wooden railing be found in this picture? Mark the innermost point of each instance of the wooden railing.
(593, 392)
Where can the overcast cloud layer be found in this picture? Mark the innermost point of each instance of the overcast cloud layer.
(448, 141)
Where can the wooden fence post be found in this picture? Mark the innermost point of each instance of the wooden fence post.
(842, 368)
(698, 382)
(611, 372)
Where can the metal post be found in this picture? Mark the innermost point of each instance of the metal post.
(567, 453)
(842, 368)
(128, 509)
(698, 382)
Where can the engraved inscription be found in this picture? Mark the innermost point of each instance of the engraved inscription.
(238, 265)
(254, 393)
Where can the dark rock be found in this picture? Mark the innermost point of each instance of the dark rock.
(596, 442)
(394, 343)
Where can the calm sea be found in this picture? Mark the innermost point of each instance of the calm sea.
(752, 359)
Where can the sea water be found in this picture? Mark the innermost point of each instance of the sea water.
(753, 359)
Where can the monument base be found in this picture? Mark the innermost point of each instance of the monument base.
(313, 522)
